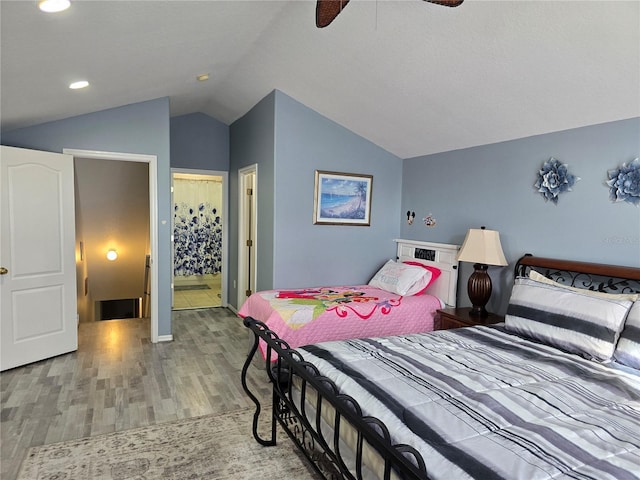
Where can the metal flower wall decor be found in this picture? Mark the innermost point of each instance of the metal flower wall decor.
(553, 179)
(624, 183)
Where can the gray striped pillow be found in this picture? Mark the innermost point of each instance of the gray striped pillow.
(573, 321)
(628, 349)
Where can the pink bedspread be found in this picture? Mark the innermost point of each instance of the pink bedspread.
(312, 315)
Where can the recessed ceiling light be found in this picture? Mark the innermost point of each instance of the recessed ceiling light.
(203, 78)
(78, 85)
(53, 6)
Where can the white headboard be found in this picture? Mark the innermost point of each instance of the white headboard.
(440, 255)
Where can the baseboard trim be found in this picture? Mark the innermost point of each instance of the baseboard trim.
(165, 338)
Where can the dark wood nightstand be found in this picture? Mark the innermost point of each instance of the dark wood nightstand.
(447, 318)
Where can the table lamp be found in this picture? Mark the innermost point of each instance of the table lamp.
(482, 247)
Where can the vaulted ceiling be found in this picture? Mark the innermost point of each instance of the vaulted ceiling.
(412, 77)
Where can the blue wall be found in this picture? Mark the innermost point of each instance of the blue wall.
(310, 255)
(199, 142)
(492, 185)
(289, 141)
(141, 128)
(252, 142)
(489, 185)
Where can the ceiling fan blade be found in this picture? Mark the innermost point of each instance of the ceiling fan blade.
(446, 3)
(327, 10)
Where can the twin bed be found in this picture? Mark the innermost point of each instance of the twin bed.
(385, 306)
(553, 392)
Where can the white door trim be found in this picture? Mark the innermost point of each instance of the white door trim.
(225, 227)
(152, 160)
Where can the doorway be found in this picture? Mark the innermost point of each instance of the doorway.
(112, 226)
(247, 231)
(150, 298)
(198, 239)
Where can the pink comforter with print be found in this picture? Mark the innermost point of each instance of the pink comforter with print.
(312, 315)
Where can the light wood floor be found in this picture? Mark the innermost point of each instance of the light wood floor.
(119, 380)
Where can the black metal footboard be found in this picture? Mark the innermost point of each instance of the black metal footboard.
(326, 425)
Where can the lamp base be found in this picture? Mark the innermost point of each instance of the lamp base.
(478, 311)
(479, 290)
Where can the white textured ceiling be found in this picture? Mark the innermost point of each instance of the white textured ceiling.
(412, 77)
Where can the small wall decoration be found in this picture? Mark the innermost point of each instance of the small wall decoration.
(342, 199)
(554, 179)
(429, 221)
(410, 216)
(624, 183)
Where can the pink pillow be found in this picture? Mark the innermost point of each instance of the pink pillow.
(421, 285)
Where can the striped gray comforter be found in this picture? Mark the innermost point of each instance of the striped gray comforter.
(482, 403)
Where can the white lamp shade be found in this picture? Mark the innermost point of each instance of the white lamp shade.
(482, 246)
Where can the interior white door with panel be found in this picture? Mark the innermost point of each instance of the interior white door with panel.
(38, 314)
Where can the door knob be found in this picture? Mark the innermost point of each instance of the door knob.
(3, 271)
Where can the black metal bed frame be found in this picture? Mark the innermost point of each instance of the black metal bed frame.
(304, 429)
(589, 276)
(325, 454)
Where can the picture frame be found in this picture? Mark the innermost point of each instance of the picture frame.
(342, 198)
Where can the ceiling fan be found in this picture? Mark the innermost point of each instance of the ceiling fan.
(328, 10)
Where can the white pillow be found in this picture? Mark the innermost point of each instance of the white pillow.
(628, 349)
(400, 278)
(573, 321)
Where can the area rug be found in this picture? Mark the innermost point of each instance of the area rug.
(213, 447)
(199, 286)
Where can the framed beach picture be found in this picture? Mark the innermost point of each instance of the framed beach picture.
(342, 199)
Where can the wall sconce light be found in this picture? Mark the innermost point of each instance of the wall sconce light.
(112, 254)
(482, 247)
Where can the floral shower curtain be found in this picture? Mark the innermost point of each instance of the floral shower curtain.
(197, 227)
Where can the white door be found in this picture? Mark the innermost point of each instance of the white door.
(37, 255)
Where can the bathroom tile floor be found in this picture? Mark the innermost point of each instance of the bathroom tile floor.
(197, 298)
